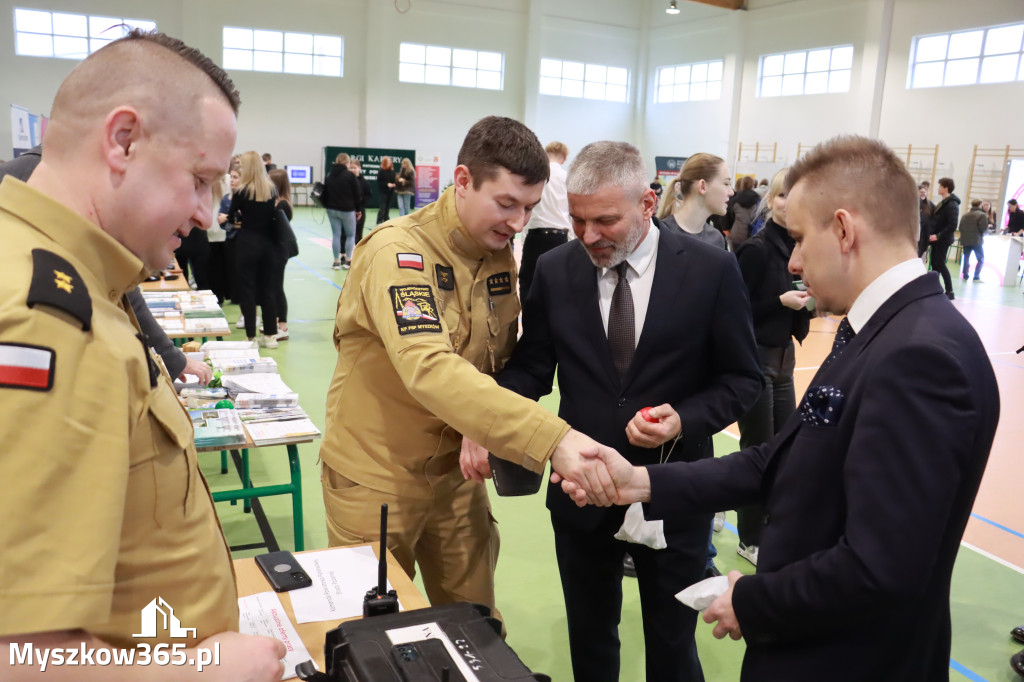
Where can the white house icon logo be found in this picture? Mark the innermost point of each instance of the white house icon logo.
(151, 615)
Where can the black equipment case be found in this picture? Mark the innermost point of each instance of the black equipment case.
(362, 651)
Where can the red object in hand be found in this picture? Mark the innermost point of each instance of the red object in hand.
(645, 412)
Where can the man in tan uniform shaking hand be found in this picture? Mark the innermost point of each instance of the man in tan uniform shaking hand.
(106, 515)
(427, 314)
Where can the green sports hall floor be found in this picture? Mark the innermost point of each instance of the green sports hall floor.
(986, 596)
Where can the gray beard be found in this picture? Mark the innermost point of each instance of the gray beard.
(622, 251)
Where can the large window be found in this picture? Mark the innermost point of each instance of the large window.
(39, 33)
(251, 49)
(689, 82)
(810, 72)
(589, 81)
(984, 55)
(435, 65)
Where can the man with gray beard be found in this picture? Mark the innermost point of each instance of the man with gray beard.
(633, 316)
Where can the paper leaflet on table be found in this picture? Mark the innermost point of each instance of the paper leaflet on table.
(260, 382)
(341, 577)
(263, 614)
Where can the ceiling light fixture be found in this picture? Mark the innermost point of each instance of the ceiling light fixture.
(672, 8)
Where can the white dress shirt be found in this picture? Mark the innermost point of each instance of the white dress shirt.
(639, 274)
(553, 209)
(882, 289)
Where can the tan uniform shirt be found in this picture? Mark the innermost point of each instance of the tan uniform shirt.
(425, 316)
(103, 505)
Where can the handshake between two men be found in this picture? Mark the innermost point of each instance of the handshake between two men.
(592, 473)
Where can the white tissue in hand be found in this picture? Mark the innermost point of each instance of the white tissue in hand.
(699, 596)
(638, 530)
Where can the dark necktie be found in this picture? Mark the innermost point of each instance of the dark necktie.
(844, 334)
(621, 323)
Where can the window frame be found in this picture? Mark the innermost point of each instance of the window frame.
(285, 53)
(676, 84)
(585, 80)
(778, 72)
(448, 66)
(92, 35)
(969, 62)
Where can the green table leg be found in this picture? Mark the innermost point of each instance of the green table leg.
(293, 464)
(246, 483)
(223, 461)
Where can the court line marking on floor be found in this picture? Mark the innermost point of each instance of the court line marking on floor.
(998, 525)
(317, 274)
(965, 671)
(993, 557)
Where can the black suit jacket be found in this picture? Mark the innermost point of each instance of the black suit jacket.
(864, 516)
(696, 352)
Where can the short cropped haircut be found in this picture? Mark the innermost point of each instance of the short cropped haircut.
(947, 183)
(1012, 202)
(193, 56)
(605, 163)
(745, 183)
(557, 147)
(862, 176)
(976, 203)
(497, 142)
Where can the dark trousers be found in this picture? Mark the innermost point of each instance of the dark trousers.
(259, 279)
(938, 262)
(539, 241)
(231, 269)
(360, 221)
(384, 211)
(979, 254)
(194, 255)
(769, 414)
(282, 300)
(590, 566)
(219, 270)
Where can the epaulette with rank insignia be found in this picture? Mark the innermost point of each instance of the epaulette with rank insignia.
(56, 283)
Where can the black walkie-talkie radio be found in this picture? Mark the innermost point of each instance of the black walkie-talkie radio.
(379, 600)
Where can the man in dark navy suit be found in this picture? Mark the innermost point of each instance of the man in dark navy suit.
(633, 316)
(868, 488)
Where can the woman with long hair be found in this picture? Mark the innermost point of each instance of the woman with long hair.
(386, 183)
(780, 315)
(257, 253)
(701, 189)
(406, 187)
(284, 204)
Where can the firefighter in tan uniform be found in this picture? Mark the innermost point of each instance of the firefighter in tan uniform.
(104, 505)
(427, 314)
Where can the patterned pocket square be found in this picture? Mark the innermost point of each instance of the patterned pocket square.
(822, 406)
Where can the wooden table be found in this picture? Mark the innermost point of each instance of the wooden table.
(249, 580)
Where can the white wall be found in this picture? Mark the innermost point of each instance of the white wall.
(295, 116)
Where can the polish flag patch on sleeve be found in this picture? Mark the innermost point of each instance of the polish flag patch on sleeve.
(410, 261)
(29, 367)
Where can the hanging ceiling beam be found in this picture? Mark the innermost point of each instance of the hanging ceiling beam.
(724, 4)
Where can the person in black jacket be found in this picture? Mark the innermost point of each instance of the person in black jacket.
(927, 209)
(945, 217)
(742, 211)
(386, 183)
(253, 209)
(343, 200)
(780, 315)
(364, 192)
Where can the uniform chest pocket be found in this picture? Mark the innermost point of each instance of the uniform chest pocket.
(163, 460)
